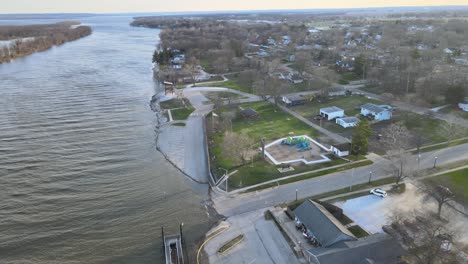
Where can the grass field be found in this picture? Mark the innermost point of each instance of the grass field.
(456, 181)
(350, 104)
(232, 84)
(173, 103)
(182, 113)
(272, 124)
(456, 111)
(429, 128)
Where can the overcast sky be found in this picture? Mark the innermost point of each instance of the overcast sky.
(120, 6)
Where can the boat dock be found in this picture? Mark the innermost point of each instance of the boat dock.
(173, 250)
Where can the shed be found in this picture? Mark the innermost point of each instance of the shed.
(321, 224)
(348, 121)
(377, 112)
(341, 150)
(294, 100)
(331, 112)
(464, 105)
(249, 113)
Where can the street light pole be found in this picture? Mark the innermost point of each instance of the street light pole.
(370, 176)
(419, 162)
(296, 194)
(435, 162)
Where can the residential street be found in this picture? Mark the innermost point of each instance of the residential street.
(232, 205)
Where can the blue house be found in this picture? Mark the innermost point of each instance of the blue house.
(377, 112)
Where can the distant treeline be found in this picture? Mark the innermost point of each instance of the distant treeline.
(28, 39)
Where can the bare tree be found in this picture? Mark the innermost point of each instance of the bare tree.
(191, 67)
(396, 138)
(239, 147)
(441, 195)
(425, 238)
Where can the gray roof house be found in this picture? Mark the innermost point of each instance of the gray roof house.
(322, 224)
(339, 245)
(378, 112)
(378, 248)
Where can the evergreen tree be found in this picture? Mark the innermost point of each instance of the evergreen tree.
(360, 140)
(454, 95)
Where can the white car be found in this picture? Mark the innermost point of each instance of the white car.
(378, 192)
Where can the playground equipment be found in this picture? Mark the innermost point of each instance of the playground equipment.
(301, 143)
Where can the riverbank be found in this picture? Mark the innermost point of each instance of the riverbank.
(24, 40)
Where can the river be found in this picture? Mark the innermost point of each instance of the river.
(81, 180)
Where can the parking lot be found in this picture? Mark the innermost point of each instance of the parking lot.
(372, 212)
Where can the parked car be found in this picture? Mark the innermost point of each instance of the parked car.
(378, 192)
(318, 117)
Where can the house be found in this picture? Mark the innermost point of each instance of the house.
(464, 105)
(378, 248)
(344, 66)
(295, 78)
(341, 150)
(321, 224)
(337, 245)
(331, 112)
(377, 112)
(349, 121)
(262, 52)
(249, 113)
(448, 51)
(294, 100)
(461, 61)
(338, 91)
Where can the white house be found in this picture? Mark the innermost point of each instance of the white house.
(377, 112)
(464, 105)
(349, 121)
(341, 150)
(331, 112)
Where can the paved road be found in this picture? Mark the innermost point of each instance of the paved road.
(237, 204)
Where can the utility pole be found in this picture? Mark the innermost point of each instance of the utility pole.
(370, 176)
(435, 162)
(296, 194)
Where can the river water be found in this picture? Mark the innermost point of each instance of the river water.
(80, 178)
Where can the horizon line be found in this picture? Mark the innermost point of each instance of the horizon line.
(243, 11)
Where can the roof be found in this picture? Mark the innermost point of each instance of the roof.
(343, 147)
(331, 109)
(249, 112)
(373, 108)
(323, 225)
(349, 119)
(379, 248)
(296, 98)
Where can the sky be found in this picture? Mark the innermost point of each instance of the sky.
(127, 6)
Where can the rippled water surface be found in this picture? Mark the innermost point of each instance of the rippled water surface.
(80, 178)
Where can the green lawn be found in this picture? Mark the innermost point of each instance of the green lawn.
(350, 104)
(173, 103)
(273, 123)
(456, 181)
(213, 96)
(182, 113)
(232, 84)
(358, 231)
(429, 128)
(456, 111)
